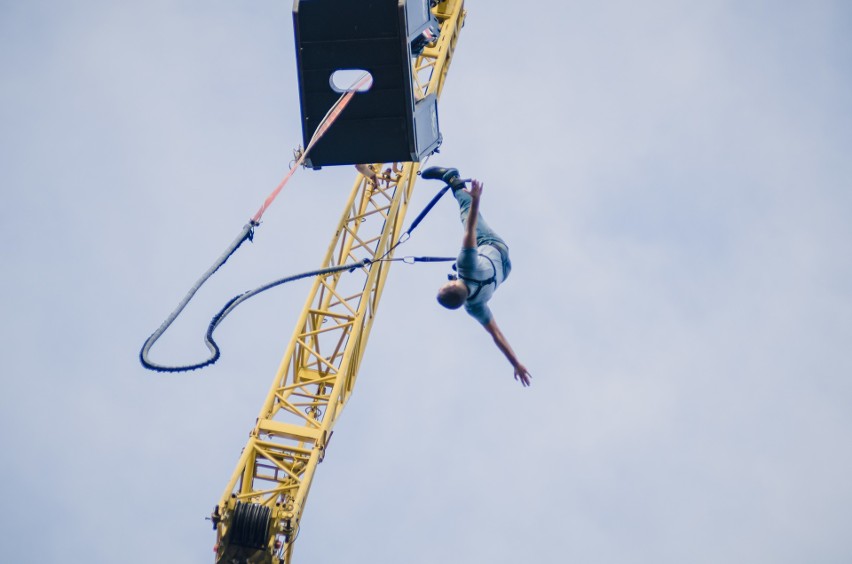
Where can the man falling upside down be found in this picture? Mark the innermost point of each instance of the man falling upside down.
(482, 265)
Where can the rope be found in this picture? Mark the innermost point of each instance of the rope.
(246, 233)
(326, 122)
(219, 317)
(407, 234)
(234, 302)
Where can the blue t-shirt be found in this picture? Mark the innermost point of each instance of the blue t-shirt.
(481, 263)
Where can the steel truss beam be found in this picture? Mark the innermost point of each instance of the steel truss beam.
(318, 372)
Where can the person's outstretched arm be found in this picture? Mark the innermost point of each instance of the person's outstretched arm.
(521, 372)
(469, 240)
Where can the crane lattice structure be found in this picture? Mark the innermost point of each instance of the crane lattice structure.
(258, 517)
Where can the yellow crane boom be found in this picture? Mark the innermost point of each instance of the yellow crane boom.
(258, 517)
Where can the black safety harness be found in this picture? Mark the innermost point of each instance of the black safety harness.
(478, 283)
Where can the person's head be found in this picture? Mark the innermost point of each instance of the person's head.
(452, 294)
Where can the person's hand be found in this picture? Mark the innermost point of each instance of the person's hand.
(522, 374)
(476, 189)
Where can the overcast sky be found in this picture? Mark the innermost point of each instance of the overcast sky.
(675, 183)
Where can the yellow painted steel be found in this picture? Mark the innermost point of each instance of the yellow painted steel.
(318, 372)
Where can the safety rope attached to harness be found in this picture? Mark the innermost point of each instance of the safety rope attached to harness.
(232, 304)
(248, 233)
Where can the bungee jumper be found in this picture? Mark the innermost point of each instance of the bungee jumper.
(482, 266)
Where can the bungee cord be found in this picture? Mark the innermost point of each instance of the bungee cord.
(247, 233)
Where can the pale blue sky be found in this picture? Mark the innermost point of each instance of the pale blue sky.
(673, 180)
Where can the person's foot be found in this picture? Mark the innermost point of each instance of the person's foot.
(448, 175)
